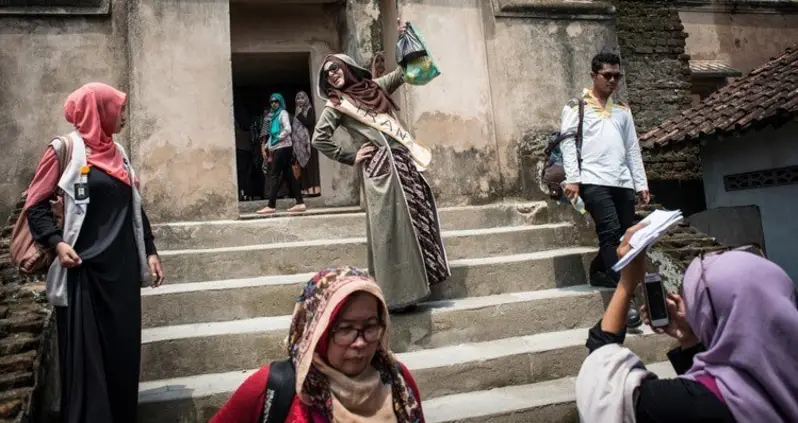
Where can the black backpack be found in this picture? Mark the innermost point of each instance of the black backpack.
(553, 173)
(280, 391)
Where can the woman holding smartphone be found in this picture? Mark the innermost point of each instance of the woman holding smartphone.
(736, 322)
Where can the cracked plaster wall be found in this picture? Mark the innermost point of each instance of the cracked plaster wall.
(504, 81)
(181, 109)
(535, 66)
(745, 40)
(453, 115)
(42, 60)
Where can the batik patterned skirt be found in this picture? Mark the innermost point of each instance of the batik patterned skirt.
(424, 216)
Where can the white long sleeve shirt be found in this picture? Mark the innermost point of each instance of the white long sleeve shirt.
(610, 150)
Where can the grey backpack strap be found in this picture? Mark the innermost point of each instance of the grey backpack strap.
(579, 132)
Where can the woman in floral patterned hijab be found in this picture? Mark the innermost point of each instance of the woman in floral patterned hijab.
(345, 371)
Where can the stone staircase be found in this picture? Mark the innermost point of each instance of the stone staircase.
(501, 341)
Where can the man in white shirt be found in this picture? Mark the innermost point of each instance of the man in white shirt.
(610, 171)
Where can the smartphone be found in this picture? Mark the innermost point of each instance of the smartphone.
(655, 301)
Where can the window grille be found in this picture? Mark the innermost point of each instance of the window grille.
(761, 179)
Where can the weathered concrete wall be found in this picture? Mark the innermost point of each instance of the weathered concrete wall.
(741, 225)
(777, 203)
(181, 108)
(361, 29)
(311, 28)
(744, 40)
(42, 60)
(453, 114)
(538, 60)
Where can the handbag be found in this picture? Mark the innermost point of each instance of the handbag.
(27, 255)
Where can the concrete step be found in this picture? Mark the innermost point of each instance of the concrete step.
(543, 402)
(438, 372)
(181, 350)
(274, 295)
(310, 256)
(334, 223)
(313, 203)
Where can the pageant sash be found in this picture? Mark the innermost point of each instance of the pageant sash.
(385, 123)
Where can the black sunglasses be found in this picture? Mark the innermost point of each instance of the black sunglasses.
(331, 67)
(610, 75)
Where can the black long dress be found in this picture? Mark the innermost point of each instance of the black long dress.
(99, 332)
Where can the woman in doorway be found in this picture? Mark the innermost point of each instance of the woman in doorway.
(105, 254)
(406, 253)
(306, 156)
(278, 144)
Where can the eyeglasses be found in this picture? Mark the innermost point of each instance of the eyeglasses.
(610, 75)
(331, 66)
(348, 335)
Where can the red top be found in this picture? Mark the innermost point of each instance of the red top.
(246, 404)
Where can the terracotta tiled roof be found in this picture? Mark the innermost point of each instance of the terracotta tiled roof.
(766, 96)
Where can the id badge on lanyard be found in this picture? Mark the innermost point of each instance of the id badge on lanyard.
(82, 187)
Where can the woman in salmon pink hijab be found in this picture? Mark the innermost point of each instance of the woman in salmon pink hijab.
(105, 253)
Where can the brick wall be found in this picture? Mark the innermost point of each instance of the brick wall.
(652, 42)
(24, 318)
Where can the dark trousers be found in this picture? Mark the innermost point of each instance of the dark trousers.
(613, 211)
(279, 171)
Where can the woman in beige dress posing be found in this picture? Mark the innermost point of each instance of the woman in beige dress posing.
(406, 253)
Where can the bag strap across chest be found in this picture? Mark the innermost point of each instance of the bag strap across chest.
(280, 391)
(388, 125)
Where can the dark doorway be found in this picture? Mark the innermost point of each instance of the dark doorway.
(256, 76)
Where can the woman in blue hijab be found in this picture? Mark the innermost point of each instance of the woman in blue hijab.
(276, 137)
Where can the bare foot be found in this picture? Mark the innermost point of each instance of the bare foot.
(266, 210)
(298, 208)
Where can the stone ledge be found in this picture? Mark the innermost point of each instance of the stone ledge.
(554, 9)
(104, 8)
(738, 6)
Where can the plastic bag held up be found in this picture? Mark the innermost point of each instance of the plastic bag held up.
(412, 53)
(409, 47)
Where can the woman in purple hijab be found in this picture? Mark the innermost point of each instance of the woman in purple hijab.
(737, 359)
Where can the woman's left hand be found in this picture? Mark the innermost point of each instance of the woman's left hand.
(678, 327)
(156, 270)
(401, 27)
(634, 271)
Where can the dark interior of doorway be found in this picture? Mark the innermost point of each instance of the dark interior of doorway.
(255, 77)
